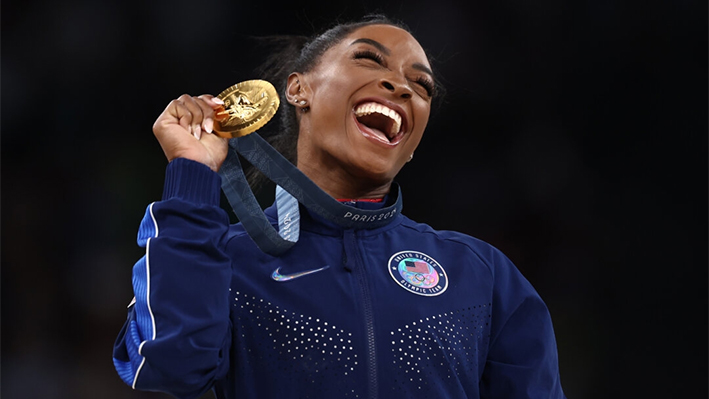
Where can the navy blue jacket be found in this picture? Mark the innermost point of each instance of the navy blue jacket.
(401, 311)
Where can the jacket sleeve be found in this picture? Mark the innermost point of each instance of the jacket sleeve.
(522, 360)
(177, 335)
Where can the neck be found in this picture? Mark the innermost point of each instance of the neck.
(341, 184)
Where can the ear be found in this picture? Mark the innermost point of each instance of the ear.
(296, 89)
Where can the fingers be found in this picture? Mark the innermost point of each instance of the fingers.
(209, 105)
(179, 110)
(190, 114)
(196, 114)
(214, 102)
(183, 130)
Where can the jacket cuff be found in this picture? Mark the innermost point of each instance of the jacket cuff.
(191, 181)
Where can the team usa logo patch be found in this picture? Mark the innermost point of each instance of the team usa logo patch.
(418, 273)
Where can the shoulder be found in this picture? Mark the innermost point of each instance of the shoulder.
(457, 241)
(508, 282)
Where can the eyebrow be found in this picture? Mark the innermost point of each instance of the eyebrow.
(385, 50)
(423, 68)
(374, 43)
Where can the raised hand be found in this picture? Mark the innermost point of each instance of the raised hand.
(185, 130)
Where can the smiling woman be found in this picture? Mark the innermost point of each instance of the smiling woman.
(368, 111)
(379, 307)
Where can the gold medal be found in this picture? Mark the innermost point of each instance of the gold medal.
(248, 106)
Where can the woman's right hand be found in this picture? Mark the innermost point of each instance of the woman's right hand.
(185, 130)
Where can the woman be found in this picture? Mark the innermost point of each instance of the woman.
(395, 311)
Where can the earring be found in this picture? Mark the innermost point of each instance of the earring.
(411, 157)
(303, 105)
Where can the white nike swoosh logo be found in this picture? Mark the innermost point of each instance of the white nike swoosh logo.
(276, 275)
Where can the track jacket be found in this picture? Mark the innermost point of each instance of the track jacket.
(400, 311)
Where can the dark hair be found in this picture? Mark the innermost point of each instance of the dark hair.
(300, 54)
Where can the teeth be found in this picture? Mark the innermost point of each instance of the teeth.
(370, 108)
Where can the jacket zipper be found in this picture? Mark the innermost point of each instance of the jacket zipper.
(366, 301)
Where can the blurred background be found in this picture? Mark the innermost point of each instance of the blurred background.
(573, 137)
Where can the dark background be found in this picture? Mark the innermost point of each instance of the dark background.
(573, 137)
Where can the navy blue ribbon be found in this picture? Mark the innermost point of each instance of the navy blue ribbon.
(279, 170)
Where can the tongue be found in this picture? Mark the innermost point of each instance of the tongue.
(377, 123)
(379, 134)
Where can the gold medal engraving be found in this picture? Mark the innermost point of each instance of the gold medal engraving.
(248, 106)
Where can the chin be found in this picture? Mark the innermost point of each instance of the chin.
(376, 172)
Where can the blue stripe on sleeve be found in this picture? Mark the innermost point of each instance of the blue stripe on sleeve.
(148, 227)
(130, 369)
(142, 328)
(143, 313)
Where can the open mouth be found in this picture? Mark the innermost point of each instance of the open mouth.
(383, 123)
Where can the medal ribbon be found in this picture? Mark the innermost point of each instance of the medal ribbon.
(293, 187)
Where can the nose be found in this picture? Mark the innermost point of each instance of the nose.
(396, 86)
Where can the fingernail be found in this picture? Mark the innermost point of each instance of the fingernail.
(197, 131)
(218, 100)
(208, 125)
